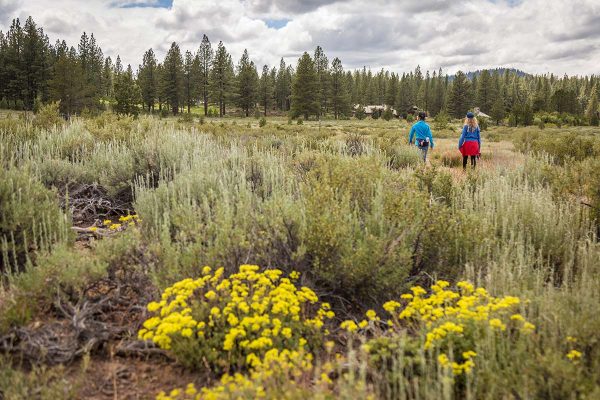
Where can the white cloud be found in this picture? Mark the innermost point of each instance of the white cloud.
(534, 35)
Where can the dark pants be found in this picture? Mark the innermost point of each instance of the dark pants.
(473, 161)
(424, 150)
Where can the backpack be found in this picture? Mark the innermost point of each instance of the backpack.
(423, 142)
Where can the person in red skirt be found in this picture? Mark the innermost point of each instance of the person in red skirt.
(469, 143)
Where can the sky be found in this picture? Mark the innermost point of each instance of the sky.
(536, 36)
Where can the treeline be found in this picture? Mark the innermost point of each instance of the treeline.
(33, 72)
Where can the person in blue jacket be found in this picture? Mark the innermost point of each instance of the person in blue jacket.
(469, 143)
(421, 132)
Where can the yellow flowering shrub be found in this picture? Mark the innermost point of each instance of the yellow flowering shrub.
(124, 221)
(450, 320)
(276, 375)
(232, 322)
(281, 375)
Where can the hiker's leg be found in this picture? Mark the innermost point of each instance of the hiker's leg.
(424, 151)
(465, 158)
(473, 161)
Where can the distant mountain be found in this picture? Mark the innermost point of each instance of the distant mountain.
(472, 74)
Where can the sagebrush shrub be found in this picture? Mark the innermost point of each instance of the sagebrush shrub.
(30, 219)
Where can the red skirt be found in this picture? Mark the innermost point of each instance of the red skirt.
(470, 148)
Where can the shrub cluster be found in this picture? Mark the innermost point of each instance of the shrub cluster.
(234, 322)
(30, 219)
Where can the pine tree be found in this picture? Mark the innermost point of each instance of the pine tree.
(305, 88)
(118, 66)
(283, 87)
(161, 92)
(406, 99)
(486, 95)
(538, 99)
(35, 62)
(323, 85)
(107, 79)
(498, 111)
(458, 100)
(221, 78)
(439, 93)
(390, 90)
(592, 112)
(147, 79)
(189, 80)
(127, 93)
(247, 84)
(266, 88)
(91, 61)
(15, 79)
(172, 78)
(205, 59)
(68, 81)
(340, 98)
(423, 94)
(3, 77)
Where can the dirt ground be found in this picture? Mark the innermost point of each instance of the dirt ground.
(120, 378)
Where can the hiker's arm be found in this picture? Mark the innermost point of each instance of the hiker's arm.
(431, 138)
(412, 133)
(462, 138)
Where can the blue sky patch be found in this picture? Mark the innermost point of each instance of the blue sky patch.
(511, 3)
(276, 23)
(147, 4)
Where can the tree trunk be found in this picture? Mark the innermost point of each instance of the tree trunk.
(205, 104)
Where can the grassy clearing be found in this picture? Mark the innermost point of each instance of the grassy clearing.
(347, 205)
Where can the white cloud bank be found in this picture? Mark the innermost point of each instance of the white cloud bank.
(534, 35)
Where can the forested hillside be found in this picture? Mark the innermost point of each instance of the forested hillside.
(34, 71)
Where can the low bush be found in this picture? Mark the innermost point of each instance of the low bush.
(451, 158)
(30, 219)
(48, 116)
(561, 147)
(404, 156)
(234, 322)
(64, 272)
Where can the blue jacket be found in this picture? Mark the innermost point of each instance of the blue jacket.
(467, 136)
(422, 131)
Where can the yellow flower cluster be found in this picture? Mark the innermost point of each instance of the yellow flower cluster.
(448, 315)
(457, 368)
(125, 220)
(352, 326)
(236, 321)
(279, 373)
(574, 355)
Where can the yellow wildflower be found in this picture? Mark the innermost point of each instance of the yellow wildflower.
(349, 325)
(210, 295)
(517, 317)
